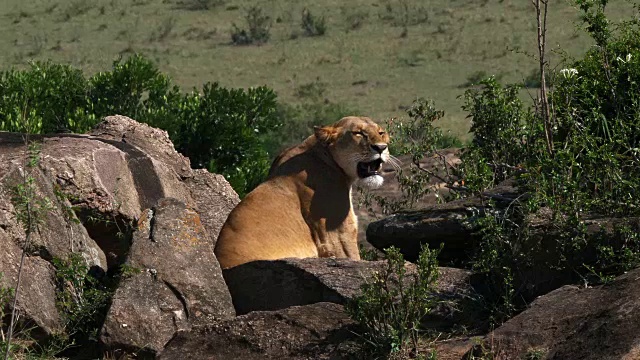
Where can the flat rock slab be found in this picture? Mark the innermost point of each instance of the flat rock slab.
(599, 323)
(301, 332)
(278, 284)
(177, 282)
(37, 296)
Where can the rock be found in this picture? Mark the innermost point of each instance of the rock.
(447, 224)
(179, 285)
(59, 231)
(214, 199)
(124, 133)
(278, 284)
(599, 323)
(97, 186)
(301, 332)
(451, 224)
(58, 234)
(455, 348)
(37, 295)
(110, 176)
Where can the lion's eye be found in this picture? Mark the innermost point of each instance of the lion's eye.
(381, 133)
(361, 133)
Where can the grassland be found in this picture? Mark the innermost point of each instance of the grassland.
(376, 56)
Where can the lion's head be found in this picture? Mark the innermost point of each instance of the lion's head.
(359, 146)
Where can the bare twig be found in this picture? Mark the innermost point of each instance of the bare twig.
(541, 16)
(448, 184)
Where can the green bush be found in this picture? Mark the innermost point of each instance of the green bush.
(220, 129)
(393, 303)
(45, 98)
(298, 122)
(81, 299)
(258, 32)
(590, 171)
(313, 25)
(501, 126)
(6, 295)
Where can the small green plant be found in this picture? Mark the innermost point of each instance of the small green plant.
(477, 77)
(500, 124)
(403, 13)
(258, 28)
(355, 18)
(77, 8)
(394, 301)
(127, 270)
(535, 354)
(81, 298)
(314, 90)
(313, 25)
(29, 208)
(368, 253)
(6, 295)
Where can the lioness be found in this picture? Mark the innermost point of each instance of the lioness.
(304, 207)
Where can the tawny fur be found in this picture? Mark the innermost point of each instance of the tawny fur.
(304, 208)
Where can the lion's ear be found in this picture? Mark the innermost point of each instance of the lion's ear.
(326, 134)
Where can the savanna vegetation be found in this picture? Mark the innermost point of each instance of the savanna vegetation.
(571, 146)
(375, 56)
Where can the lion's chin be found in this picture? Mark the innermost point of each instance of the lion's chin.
(371, 182)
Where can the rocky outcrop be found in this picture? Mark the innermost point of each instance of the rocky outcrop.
(599, 323)
(177, 282)
(93, 189)
(316, 331)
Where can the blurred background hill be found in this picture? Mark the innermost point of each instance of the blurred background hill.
(374, 57)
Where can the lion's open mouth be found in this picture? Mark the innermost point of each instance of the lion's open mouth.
(370, 168)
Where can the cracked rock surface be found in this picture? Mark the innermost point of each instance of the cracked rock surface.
(96, 187)
(161, 296)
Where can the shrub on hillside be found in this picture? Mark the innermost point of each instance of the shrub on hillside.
(258, 28)
(313, 25)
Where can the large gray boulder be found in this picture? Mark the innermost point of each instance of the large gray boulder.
(177, 282)
(599, 323)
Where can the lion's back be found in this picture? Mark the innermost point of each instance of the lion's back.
(266, 225)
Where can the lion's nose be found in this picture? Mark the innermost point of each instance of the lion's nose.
(379, 147)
